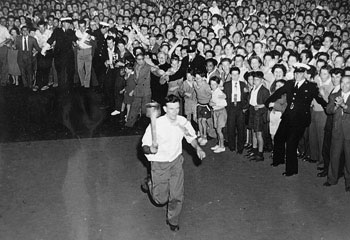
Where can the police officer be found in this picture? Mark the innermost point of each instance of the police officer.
(61, 41)
(100, 52)
(295, 119)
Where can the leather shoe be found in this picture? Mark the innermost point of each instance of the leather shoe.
(275, 164)
(144, 185)
(286, 174)
(327, 184)
(259, 158)
(247, 145)
(347, 189)
(173, 228)
(310, 160)
(322, 174)
(320, 168)
(250, 155)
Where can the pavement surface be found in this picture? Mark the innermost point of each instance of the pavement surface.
(89, 189)
(58, 114)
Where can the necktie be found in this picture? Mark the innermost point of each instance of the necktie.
(235, 95)
(25, 45)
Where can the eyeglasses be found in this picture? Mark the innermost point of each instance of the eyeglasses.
(139, 59)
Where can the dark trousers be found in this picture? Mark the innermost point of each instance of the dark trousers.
(286, 143)
(119, 85)
(65, 67)
(43, 71)
(25, 64)
(109, 87)
(100, 70)
(235, 127)
(338, 145)
(304, 144)
(3, 65)
(326, 151)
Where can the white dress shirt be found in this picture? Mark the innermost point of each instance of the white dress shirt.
(169, 138)
(254, 95)
(299, 83)
(25, 42)
(336, 89)
(236, 91)
(345, 96)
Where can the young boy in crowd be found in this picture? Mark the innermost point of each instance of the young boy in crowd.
(258, 115)
(203, 93)
(218, 103)
(189, 95)
(129, 89)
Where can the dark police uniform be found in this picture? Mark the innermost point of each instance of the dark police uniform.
(99, 57)
(63, 55)
(294, 121)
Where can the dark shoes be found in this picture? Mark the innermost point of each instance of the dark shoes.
(327, 184)
(275, 164)
(247, 146)
(347, 189)
(287, 174)
(259, 158)
(310, 160)
(239, 152)
(144, 185)
(322, 174)
(173, 228)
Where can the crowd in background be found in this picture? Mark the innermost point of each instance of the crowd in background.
(224, 59)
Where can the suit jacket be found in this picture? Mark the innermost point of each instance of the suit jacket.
(243, 104)
(299, 101)
(143, 80)
(329, 122)
(341, 117)
(32, 44)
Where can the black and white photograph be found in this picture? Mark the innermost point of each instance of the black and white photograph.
(164, 119)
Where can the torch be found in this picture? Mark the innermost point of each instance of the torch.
(153, 111)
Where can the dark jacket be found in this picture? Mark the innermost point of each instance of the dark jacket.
(298, 102)
(244, 94)
(341, 117)
(64, 41)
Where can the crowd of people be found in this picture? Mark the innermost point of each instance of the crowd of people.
(256, 75)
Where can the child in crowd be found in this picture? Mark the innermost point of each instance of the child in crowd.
(129, 88)
(277, 109)
(189, 95)
(203, 93)
(258, 115)
(218, 103)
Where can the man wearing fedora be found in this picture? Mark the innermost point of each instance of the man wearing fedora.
(295, 119)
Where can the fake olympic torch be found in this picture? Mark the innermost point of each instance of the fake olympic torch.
(153, 111)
